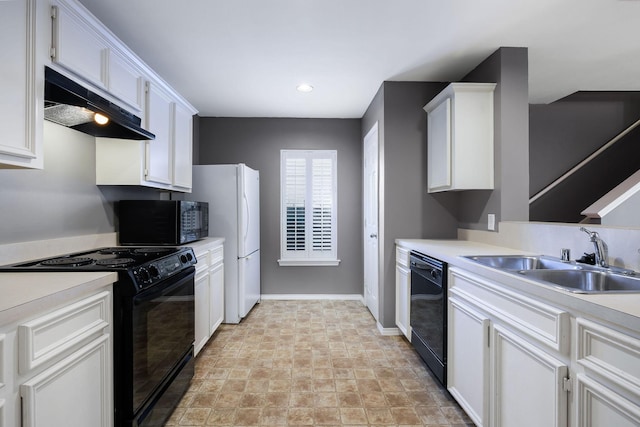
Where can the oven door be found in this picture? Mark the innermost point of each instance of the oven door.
(154, 337)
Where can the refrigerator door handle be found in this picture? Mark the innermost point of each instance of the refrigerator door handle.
(248, 216)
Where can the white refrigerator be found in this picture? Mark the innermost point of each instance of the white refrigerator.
(233, 193)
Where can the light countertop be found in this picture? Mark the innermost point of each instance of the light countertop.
(621, 309)
(24, 294)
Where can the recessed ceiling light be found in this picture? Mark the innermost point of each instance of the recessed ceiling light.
(304, 88)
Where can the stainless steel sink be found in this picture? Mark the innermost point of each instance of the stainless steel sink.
(524, 262)
(586, 281)
(566, 275)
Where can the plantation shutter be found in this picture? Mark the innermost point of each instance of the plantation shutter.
(309, 193)
(295, 195)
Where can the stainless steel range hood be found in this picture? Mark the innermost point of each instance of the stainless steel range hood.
(72, 105)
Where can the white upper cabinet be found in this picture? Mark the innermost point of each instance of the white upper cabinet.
(164, 162)
(160, 111)
(460, 138)
(76, 46)
(83, 47)
(25, 31)
(182, 147)
(125, 80)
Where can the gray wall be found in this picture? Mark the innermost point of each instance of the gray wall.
(257, 142)
(62, 200)
(406, 209)
(565, 132)
(509, 201)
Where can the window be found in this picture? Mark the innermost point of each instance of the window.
(308, 193)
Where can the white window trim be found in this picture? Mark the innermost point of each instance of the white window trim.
(308, 258)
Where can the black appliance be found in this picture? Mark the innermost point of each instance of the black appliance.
(162, 222)
(70, 104)
(153, 324)
(428, 317)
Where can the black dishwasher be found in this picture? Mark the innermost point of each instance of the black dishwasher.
(429, 312)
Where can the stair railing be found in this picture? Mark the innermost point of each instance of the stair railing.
(584, 162)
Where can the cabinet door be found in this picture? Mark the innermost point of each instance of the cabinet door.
(183, 147)
(201, 297)
(160, 110)
(527, 383)
(468, 359)
(75, 392)
(597, 405)
(216, 297)
(439, 147)
(77, 46)
(126, 81)
(20, 85)
(403, 300)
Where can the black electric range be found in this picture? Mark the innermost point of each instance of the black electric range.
(144, 266)
(153, 324)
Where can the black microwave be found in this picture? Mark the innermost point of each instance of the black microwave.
(162, 222)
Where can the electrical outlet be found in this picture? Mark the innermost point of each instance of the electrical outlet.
(491, 222)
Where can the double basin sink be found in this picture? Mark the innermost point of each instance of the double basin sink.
(567, 275)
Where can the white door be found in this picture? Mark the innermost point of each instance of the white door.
(248, 210)
(370, 207)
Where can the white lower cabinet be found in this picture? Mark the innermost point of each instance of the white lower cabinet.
(514, 360)
(526, 383)
(468, 359)
(607, 386)
(598, 405)
(209, 293)
(216, 296)
(73, 392)
(498, 372)
(403, 292)
(201, 297)
(56, 368)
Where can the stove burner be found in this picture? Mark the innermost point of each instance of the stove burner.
(67, 262)
(118, 262)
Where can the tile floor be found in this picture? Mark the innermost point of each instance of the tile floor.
(320, 363)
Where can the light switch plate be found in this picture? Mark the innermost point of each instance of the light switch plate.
(491, 222)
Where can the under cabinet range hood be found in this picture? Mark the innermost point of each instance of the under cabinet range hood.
(70, 104)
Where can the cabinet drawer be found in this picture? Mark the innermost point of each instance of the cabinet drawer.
(217, 255)
(609, 353)
(62, 330)
(402, 256)
(544, 323)
(202, 256)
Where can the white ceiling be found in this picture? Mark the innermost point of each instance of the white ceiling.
(244, 58)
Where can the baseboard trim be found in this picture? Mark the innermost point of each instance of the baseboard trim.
(388, 331)
(293, 297)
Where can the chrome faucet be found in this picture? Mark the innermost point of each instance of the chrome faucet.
(598, 244)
